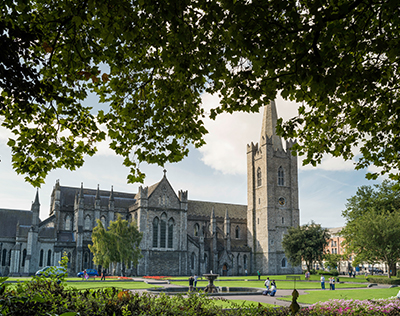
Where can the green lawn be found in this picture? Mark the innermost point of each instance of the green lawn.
(359, 294)
(260, 284)
(227, 303)
(126, 285)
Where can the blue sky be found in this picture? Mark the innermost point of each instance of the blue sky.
(215, 172)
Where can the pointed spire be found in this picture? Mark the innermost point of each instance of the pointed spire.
(213, 213)
(226, 214)
(165, 173)
(269, 123)
(36, 202)
(112, 194)
(98, 193)
(81, 191)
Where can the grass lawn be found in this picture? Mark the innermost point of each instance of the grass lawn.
(240, 303)
(106, 284)
(260, 284)
(359, 294)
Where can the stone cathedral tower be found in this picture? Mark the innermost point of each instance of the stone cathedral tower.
(272, 197)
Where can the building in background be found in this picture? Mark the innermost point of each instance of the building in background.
(180, 236)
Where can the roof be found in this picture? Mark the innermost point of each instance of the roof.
(202, 208)
(335, 230)
(121, 199)
(10, 218)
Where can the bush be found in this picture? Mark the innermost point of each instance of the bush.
(319, 272)
(334, 272)
(398, 274)
(383, 280)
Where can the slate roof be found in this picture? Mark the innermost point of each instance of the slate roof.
(9, 220)
(202, 208)
(121, 199)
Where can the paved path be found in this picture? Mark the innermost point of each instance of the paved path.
(255, 298)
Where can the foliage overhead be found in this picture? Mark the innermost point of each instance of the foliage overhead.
(120, 243)
(305, 243)
(149, 62)
(372, 228)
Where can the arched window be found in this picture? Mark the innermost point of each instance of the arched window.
(9, 258)
(281, 176)
(23, 258)
(163, 230)
(238, 263)
(155, 232)
(68, 222)
(41, 258)
(237, 231)
(171, 223)
(49, 257)
(245, 262)
(192, 261)
(85, 260)
(259, 176)
(284, 263)
(88, 223)
(196, 230)
(3, 259)
(69, 259)
(103, 221)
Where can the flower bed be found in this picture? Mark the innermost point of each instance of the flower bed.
(118, 277)
(356, 307)
(156, 277)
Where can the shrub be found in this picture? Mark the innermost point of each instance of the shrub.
(383, 280)
(334, 272)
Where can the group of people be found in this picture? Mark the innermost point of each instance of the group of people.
(270, 286)
(331, 282)
(193, 282)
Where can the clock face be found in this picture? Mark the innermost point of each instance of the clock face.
(281, 201)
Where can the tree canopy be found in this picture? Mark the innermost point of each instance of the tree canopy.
(118, 244)
(372, 228)
(150, 61)
(305, 243)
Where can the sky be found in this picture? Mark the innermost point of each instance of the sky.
(216, 172)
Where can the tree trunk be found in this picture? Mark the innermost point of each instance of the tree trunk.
(392, 269)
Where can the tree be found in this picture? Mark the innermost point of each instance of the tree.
(372, 228)
(305, 243)
(120, 243)
(332, 260)
(150, 61)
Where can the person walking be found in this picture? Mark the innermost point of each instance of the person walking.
(259, 275)
(330, 283)
(322, 282)
(266, 283)
(245, 272)
(195, 281)
(103, 275)
(191, 282)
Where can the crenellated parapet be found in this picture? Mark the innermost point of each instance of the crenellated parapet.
(183, 198)
(143, 196)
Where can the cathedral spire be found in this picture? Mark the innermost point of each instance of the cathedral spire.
(268, 127)
(98, 193)
(112, 194)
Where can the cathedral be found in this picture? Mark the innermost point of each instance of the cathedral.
(180, 236)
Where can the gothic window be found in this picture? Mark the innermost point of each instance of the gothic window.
(171, 233)
(192, 260)
(245, 262)
(196, 230)
(283, 263)
(163, 230)
(41, 258)
(258, 176)
(69, 259)
(238, 263)
(9, 258)
(103, 221)
(281, 176)
(88, 224)
(23, 258)
(85, 260)
(68, 222)
(3, 261)
(49, 258)
(283, 220)
(237, 232)
(155, 232)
